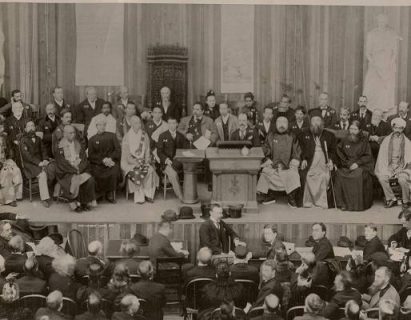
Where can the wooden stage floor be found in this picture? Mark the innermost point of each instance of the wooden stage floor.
(122, 220)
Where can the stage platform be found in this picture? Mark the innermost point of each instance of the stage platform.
(122, 220)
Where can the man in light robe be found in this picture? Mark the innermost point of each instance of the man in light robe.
(11, 181)
(394, 162)
(280, 170)
(316, 165)
(104, 154)
(167, 145)
(72, 169)
(111, 123)
(36, 162)
(405, 114)
(136, 163)
(154, 127)
(353, 181)
(226, 123)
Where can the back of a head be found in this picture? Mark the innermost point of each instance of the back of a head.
(46, 247)
(54, 300)
(30, 265)
(120, 272)
(64, 265)
(129, 304)
(16, 243)
(227, 310)
(352, 310)
(388, 309)
(271, 303)
(204, 255)
(314, 304)
(222, 270)
(308, 258)
(129, 248)
(95, 248)
(94, 302)
(145, 268)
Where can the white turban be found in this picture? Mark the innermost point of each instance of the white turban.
(101, 118)
(398, 122)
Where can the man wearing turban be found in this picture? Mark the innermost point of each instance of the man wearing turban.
(394, 162)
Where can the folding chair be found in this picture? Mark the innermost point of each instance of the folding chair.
(69, 307)
(169, 273)
(32, 302)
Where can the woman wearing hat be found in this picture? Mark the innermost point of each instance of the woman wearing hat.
(212, 109)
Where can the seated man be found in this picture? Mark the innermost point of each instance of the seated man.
(226, 123)
(11, 180)
(280, 171)
(382, 289)
(328, 113)
(352, 310)
(244, 132)
(88, 108)
(6, 233)
(72, 172)
(94, 311)
(240, 269)
(167, 145)
(47, 125)
(15, 261)
(402, 238)
(198, 125)
(394, 161)
(111, 123)
(155, 127)
(216, 234)
(377, 130)
(250, 108)
(36, 162)
(31, 283)
(119, 108)
(313, 308)
(353, 181)
(343, 122)
(362, 114)
(271, 308)
(58, 100)
(152, 292)
(169, 108)
(95, 256)
(104, 154)
(373, 243)
(125, 123)
(405, 114)
(130, 251)
(269, 284)
(323, 248)
(54, 304)
(283, 109)
(204, 267)
(136, 163)
(160, 246)
(270, 242)
(265, 126)
(129, 306)
(344, 292)
(301, 122)
(16, 98)
(317, 270)
(318, 157)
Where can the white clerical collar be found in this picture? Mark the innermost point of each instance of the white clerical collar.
(157, 123)
(19, 117)
(53, 118)
(92, 104)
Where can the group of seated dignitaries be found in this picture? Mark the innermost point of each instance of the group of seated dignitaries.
(83, 153)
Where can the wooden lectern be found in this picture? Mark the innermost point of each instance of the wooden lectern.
(190, 158)
(235, 176)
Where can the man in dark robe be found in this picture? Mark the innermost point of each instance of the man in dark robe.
(167, 145)
(47, 125)
(318, 156)
(362, 114)
(353, 181)
(72, 172)
(244, 132)
(265, 126)
(36, 162)
(168, 108)
(104, 154)
(280, 170)
(88, 108)
(377, 130)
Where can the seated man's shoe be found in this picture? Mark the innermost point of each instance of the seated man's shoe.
(45, 203)
(406, 205)
(149, 200)
(390, 203)
(269, 200)
(110, 197)
(12, 204)
(85, 207)
(78, 210)
(292, 203)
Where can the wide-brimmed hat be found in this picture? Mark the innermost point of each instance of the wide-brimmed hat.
(169, 215)
(186, 213)
(140, 240)
(235, 211)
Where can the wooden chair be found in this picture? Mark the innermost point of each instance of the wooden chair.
(32, 302)
(31, 186)
(294, 312)
(69, 307)
(165, 183)
(250, 289)
(76, 245)
(169, 273)
(192, 294)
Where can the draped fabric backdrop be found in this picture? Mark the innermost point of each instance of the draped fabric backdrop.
(299, 50)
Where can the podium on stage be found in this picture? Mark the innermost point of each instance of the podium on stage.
(235, 176)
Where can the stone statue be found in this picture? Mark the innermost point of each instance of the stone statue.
(2, 62)
(381, 50)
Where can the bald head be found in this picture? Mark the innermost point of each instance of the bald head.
(129, 304)
(69, 132)
(91, 94)
(50, 109)
(204, 255)
(145, 269)
(271, 303)
(55, 300)
(95, 248)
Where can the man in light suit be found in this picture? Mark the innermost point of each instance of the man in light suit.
(197, 125)
(216, 234)
(226, 123)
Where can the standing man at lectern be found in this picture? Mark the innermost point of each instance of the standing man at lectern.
(216, 234)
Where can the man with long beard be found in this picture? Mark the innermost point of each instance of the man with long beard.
(353, 179)
(280, 171)
(394, 162)
(315, 165)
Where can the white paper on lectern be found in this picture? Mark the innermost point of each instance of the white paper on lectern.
(341, 251)
(201, 143)
(188, 154)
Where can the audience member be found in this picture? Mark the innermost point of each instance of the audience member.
(118, 286)
(155, 127)
(216, 234)
(15, 261)
(136, 163)
(328, 113)
(52, 311)
(226, 123)
(352, 310)
(269, 283)
(388, 309)
(318, 270)
(313, 308)
(405, 310)
(6, 233)
(46, 251)
(270, 243)
(280, 170)
(58, 99)
(245, 133)
(94, 311)
(227, 311)
(323, 248)
(30, 282)
(152, 292)
(96, 283)
(95, 256)
(271, 308)
(240, 269)
(129, 249)
(203, 269)
(129, 306)
(62, 278)
(283, 109)
(88, 108)
(373, 243)
(402, 238)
